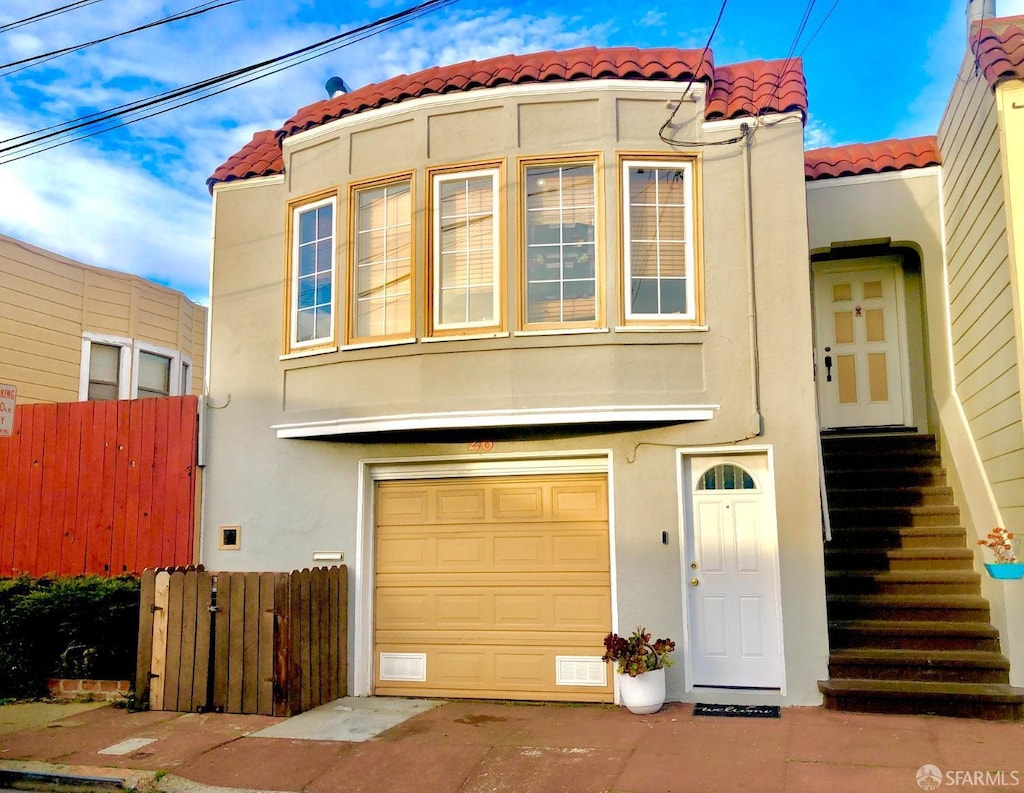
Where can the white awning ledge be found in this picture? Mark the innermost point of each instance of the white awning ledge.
(485, 419)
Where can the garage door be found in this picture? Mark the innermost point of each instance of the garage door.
(493, 587)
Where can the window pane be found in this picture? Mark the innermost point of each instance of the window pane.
(314, 275)
(466, 250)
(154, 374)
(384, 256)
(560, 242)
(657, 248)
(104, 363)
(673, 296)
(102, 391)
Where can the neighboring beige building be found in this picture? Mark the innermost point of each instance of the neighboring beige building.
(69, 331)
(525, 342)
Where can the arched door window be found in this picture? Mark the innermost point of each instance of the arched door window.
(726, 476)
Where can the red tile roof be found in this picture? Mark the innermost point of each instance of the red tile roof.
(998, 47)
(746, 89)
(868, 158)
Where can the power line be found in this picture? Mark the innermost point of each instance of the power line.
(53, 12)
(789, 57)
(61, 134)
(693, 76)
(45, 57)
(817, 30)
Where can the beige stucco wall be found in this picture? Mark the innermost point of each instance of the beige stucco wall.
(48, 301)
(296, 497)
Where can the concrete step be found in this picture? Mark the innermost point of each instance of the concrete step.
(897, 559)
(899, 537)
(912, 635)
(834, 457)
(844, 475)
(927, 608)
(876, 442)
(947, 666)
(848, 495)
(870, 516)
(992, 701)
(903, 582)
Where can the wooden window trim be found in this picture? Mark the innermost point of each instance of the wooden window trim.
(290, 345)
(695, 289)
(594, 159)
(497, 167)
(351, 338)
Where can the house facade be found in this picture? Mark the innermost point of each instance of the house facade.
(70, 331)
(524, 343)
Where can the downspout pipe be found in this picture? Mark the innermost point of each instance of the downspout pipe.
(757, 421)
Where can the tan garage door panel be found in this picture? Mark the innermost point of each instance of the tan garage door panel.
(488, 587)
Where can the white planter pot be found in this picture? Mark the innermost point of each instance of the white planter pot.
(644, 693)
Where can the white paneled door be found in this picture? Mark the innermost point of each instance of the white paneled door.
(732, 577)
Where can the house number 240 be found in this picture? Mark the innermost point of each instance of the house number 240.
(481, 446)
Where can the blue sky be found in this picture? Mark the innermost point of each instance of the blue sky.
(135, 199)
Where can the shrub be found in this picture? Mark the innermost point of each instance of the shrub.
(76, 626)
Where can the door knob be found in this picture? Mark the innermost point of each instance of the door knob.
(694, 581)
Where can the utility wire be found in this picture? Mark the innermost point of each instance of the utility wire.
(682, 97)
(789, 57)
(817, 30)
(44, 57)
(122, 114)
(53, 12)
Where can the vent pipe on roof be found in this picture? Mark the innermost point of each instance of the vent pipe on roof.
(336, 87)
(979, 10)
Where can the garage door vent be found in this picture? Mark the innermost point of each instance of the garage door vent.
(407, 667)
(580, 670)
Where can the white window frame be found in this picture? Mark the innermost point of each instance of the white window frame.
(124, 367)
(174, 362)
(293, 276)
(128, 365)
(686, 166)
(436, 180)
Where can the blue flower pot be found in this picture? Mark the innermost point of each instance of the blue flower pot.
(1009, 571)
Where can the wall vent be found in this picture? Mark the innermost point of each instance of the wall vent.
(580, 670)
(407, 667)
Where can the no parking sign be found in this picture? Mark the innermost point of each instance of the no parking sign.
(8, 394)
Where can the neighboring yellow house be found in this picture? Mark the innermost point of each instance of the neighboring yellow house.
(70, 331)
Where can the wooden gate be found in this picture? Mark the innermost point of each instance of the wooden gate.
(267, 643)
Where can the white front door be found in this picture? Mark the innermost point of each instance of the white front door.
(732, 577)
(861, 344)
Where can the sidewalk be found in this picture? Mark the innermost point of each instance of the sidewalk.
(478, 747)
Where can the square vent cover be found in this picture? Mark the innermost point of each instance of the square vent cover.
(407, 667)
(580, 670)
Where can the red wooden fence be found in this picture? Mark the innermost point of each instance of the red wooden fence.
(99, 487)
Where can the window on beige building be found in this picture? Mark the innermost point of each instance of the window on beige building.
(381, 276)
(658, 241)
(561, 284)
(466, 261)
(312, 274)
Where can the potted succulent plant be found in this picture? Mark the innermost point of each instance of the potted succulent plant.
(640, 664)
(1003, 546)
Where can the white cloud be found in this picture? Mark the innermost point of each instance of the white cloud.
(136, 199)
(817, 134)
(652, 19)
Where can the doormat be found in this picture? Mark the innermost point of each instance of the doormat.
(748, 711)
